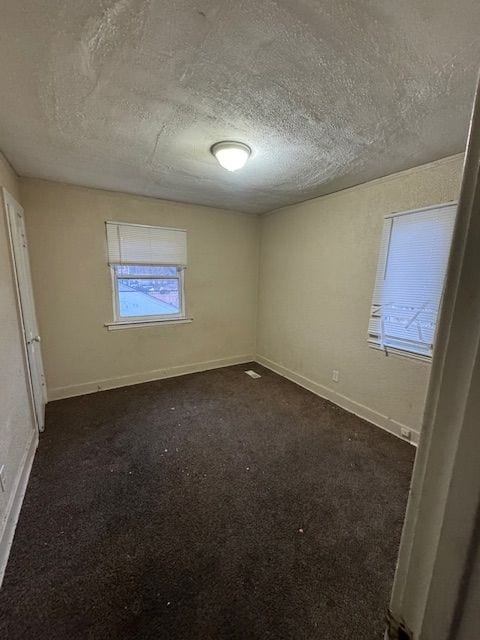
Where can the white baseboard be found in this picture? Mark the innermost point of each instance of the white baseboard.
(371, 415)
(360, 410)
(70, 391)
(15, 503)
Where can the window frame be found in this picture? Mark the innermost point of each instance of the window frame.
(388, 349)
(124, 321)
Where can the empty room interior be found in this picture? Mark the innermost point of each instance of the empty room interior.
(225, 254)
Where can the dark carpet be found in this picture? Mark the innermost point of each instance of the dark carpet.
(207, 507)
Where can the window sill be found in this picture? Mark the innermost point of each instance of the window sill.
(391, 351)
(131, 324)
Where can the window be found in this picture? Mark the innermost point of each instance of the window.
(147, 265)
(411, 271)
(145, 291)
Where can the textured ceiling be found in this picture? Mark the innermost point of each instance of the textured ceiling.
(129, 95)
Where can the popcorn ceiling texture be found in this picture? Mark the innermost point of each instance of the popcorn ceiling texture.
(130, 95)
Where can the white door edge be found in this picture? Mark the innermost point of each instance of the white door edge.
(433, 580)
(10, 206)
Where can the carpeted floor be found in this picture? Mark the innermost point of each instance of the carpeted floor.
(207, 507)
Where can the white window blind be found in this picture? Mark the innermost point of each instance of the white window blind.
(411, 271)
(137, 244)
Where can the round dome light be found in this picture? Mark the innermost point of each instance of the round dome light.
(231, 155)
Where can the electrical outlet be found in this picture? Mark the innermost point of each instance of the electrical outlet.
(3, 486)
(406, 433)
(335, 375)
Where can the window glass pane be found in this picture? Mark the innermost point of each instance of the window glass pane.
(148, 297)
(410, 275)
(415, 271)
(145, 270)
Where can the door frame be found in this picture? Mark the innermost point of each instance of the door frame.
(8, 199)
(435, 571)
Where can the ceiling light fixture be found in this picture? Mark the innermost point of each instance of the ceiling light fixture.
(231, 155)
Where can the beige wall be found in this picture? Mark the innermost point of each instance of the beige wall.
(317, 266)
(16, 419)
(65, 226)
